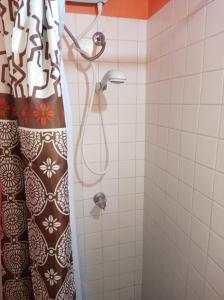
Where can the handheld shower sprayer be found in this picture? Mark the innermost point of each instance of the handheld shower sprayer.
(113, 76)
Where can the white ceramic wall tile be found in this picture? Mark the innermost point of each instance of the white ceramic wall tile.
(184, 206)
(192, 89)
(215, 22)
(210, 293)
(209, 118)
(198, 258)
(194, 60)
(206, 151)
(202, 207)
(212, 87)
(216, 248)
(219, 188)
(196, 26)
(215, 276)
(181, 92)
(220, 159)
(217, 222)
(213, 54)
(123, 106)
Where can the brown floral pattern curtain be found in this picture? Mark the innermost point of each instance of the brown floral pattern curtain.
(36, 251)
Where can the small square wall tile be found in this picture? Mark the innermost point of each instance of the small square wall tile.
(187, 171)
(191, 294)
(111, 269)
(209, 293)
(111, 295)
(178, 63)
(216, 249)
(200, 234)
(217, 222)
(194, 61)
(94, 272)
(110, 283)
(179, 38)
(196, 281)
(109, 26)
(142, 30)
(219, 188)
(127, 114)
(127, 168)
(175, 116)
(110, 238)
(221, 134)
(128, 51)
(213, 55)
(174, 141)
(196, 26)
(202, 207)
(188, 145)
(127, 293)
(128, 29)
(127, 133)
(127, 265)
(206, 151)
(190, 118)
(198, 258)
(215, 277)
(110, 254)
(127, 250)
(204, 178)
(194, 5)
(220, 157)
(192, 89)
(93, 241)
(180, 9)
(183, 219)
(215, 22)
(212, 87)
(92, 225)
(126, 280)
(185, 195)
(110, 221)
(209, 117)
(126, 202)
(177, 88)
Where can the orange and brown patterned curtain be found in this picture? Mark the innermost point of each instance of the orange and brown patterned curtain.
(36, 253)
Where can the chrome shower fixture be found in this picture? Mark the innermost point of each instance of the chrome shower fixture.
(99, 39)
(113, 76)
(100, 200)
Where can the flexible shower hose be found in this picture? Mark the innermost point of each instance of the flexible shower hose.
(91, 60)
(86, 118)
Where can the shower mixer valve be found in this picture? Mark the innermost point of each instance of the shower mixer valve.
(100, 200)
(99, 39)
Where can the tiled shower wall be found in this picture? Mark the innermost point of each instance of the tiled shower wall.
(184, 184)
(111, 240)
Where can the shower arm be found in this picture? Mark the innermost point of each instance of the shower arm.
(83, 53)
(98, 38)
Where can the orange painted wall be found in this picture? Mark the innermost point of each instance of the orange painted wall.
(138, 9)
(155, 5)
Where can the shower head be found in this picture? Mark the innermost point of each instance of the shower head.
(113, 76)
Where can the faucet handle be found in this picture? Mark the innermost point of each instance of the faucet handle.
(100, 200)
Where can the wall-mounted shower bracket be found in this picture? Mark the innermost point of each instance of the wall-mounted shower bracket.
(89, 1)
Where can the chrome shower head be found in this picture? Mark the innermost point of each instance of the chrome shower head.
(113, 76)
